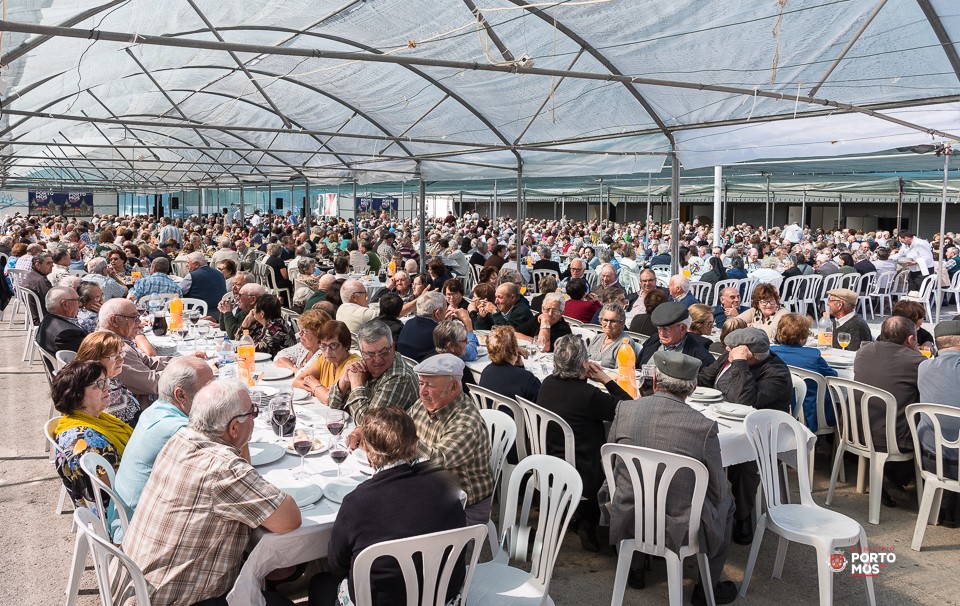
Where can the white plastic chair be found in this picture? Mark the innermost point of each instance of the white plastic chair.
(31, 301)
(900, 285)
(954, 289)
(191, 305)
(270, 278)
(800, 292)
(164, 298)
(49, 364)
(439, 553)
(538, 274)
(651, 474)
(718, 289)
(89, 463)
(882, 291)
(934, 482)
(928, 290)
(119, 579)
(856, 436)
(701, 290)
(863, 286)
(823, 428)
(51, 439)
(15, 276)
(503, 434)
(536, 422)
(64, 357)
(830, 282)
(805, 522)
(179, 268)
(559, 488)
(592, 278)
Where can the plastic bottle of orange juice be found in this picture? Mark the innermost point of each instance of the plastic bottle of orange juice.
(245, 358)
(176, 313)
(626, 368)
(391, 268)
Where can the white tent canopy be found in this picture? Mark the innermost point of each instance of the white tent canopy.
(201, 92)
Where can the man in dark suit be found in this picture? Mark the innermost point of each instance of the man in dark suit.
(479, 256)
(36, 280)
(512, 308)
(842, 304)
(672, 321)
(416, 336)
(664, 422)
(752, 375)
(545, 262)
(58, 329)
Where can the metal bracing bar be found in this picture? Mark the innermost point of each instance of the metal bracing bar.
(72, 160)
(113, 115)
(945, 42)
(504, 51)
(133, 168)
(56, 166)
(29, 45)
(674, 212)
(423, 221)
(846, 49)
(553, 90)
(417, 121)
(243, 68)
(129, 38)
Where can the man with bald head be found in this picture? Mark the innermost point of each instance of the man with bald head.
(323, 283)
(728, 307)
(354, 311)
(59, 329)
(232, 318)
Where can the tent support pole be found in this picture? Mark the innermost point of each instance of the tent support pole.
(899, 204)
(943, 230)
(919, 204)
(520, 209)
(646, 219)
(423, 219)
(717, 203)
(839, 212)
(803, 209)
(766, 208)
(674, 210)
(243, 212)
(356, 219)
(307, 206)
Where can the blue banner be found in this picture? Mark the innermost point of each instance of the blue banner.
(368, 204)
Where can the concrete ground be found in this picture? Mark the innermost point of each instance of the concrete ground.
(37, 543)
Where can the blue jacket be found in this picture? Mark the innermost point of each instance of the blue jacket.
(809, 358)
(416, 338)
(209, 285)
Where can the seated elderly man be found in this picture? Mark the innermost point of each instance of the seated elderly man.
(323, 283)
(416, 336)
(673, 334)
(61, 266)
(939, 382)
(59, 329)
(842, 304)
(354, 311)
(679, 287)
(452, 432)
(233, 317)
(749, 374)
(158, 282)
(35, 280)
(663, 421)
(204, 283)
(201, 502)
(179, 383)
(380, 378)
(512, 308)
(576, 270)
(729, 306)
(550, 324)
(105, 277)
(892, 364)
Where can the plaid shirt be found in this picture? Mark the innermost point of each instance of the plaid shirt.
(396, 387)
(154, 284)
(194, 519)
(455, 437)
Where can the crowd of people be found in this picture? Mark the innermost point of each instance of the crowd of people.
(177, 438)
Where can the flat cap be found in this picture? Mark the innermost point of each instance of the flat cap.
(445, 364)
(844, 294)
(677, 365)
(947, 328)
(668, 314)
(755, 339)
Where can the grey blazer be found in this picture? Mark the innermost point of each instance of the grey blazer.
(665, 422)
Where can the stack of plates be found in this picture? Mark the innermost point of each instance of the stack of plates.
(736, 412)
(276, 373)
(706, 395)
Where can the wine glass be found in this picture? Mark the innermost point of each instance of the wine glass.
(178, 334)
(336, 421)
(843, 339)
(540, 342)
(194, 317)
(203, 329)
(339, 454)
(303, 444)
(281, 410)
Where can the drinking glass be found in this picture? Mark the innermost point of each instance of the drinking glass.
(281, 410)
(203, 329)
(194, 317)
(927, 349)
(843, 339)
(339, 454)
(303, 444)
(336, 421)
(177, 334)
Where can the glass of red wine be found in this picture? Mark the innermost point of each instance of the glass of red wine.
(281, 411)
(303, 444)
(339, 454)
(336, 421)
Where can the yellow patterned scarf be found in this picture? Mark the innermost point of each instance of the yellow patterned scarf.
(113, 429)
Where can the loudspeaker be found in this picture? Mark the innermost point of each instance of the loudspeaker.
(279, 203)
(174, 203)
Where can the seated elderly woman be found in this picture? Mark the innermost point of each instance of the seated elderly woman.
(766, 312)
(453, 293)
(548, 284)
(276, 335)
(334, 347)
(548, 326)
(439, 274)
(419, 496)
(701, 324)
(490, 275)
(579, 307)
(585, 407)
(792, 334)
(505, 374)
(81, 393)
(728, 327)
(305, 353)
(604, 347)
(451, 336)
(107, 348)
(91, 299)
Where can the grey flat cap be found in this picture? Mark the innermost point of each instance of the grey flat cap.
(677, 365)
(668, 314)
(755, 339)
(948, 328)
(445, 364)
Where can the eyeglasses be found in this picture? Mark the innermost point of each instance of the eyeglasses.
(371, 355)
(555, 311)
(328, 346)
(99, 384)
(115, 357)
(610, 321)
(253, 413)
(70, 300)
(127, 317)
(769, 303)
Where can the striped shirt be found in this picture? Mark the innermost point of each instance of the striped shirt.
(154, 284)
(396, 387)
(455, 437)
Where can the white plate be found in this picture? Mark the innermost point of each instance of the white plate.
(264, 390)
(363, 464)
(339, 488)
(303, 495)
(275, 374)
(319, 447)
(301, 394)
(264, 453)
(732, 411)
(262, 356)
(706, 393)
